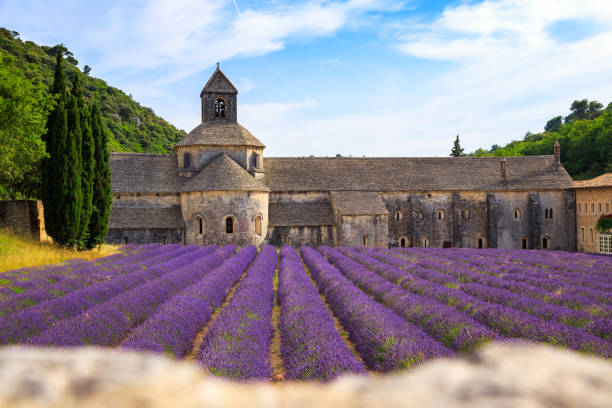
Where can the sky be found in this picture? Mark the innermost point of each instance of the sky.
(355, 77)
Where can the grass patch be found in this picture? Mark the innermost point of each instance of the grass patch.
(17, 252)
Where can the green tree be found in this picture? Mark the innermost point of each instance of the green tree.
(554, 124)
(595, 109)
(86, 159)
(579, 111)
(102, 193)
(457, 150)
(62, 196)
(24, 107)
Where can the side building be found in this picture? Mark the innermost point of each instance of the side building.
(594, 201)
(219, 188)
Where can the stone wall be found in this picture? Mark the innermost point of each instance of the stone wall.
(24, 217)
(145, 236)
(588, 202)
(473, 219)
(498, 375)
(214, 207)
(312, 236)
(357, 227)
(201, 156)
(208, 107)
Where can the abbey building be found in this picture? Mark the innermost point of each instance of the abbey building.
(218, 187)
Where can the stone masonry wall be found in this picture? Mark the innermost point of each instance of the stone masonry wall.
(214, 207)
(24, 217)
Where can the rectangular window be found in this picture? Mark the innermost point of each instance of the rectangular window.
(582, 233)
(599, 207)
(605, 243)
(591, 233)
(593, 208)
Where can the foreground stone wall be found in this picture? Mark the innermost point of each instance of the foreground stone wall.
(522, 376)
(24, 217)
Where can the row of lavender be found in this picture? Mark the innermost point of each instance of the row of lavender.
(504, 321)
(516, 290)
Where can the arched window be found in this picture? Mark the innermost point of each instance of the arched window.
(546, 213)
(465, 214)
(258, 225)
(398, 215)
(425, 243)
(590, 233)
(229, 224)
(164, 239)
(199, 225)
(517, 213)
(480, 243)
(550, 213)
(582, 234)
(403, 242)
(220, 108)
(186, 160)
(599, 206)
(524, 243)
(546, 243)
(440, 214)
(365, 240)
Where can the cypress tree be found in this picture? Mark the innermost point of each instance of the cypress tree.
(457, 150)
(102, 193)
(87, 161)
(53, 178)
(71, 168)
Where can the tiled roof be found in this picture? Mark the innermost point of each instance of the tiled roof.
(358, 203)
(140, 173)
(218, 82)
(137, 217)
(223, 174)
(300, 214)
(414, 174)
(220, 134)
(605, 180)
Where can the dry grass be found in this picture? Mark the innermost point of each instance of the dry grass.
(18, 252)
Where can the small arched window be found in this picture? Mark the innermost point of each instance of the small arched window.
(546, 242)
(550, 213)
(599, 206)
(465, 214)
(517, 213)
(365, 240)
(480, 243)
(220, 108)
(403, 242)
(425, 243)
(199, 225)
(546, 213)
(524, 243)
(186, 160)
(164, 239)
(440, 214)
(398, 215)
(229, 225)
(258, 225)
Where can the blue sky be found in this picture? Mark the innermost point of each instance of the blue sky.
(356, 77)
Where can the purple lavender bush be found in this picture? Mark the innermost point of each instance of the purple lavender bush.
(311, 347)
(173, 327)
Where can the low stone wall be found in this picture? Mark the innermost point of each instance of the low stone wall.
(498, 376)
(24, 217)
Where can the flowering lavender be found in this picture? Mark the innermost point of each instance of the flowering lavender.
(237, 344)
(57, 284)
(175, 324)
(450, 327)
(19, 326)
(384, 340)
(108, 323)
(505, 321)
(311, 347)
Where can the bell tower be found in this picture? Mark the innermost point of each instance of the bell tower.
(219, 99)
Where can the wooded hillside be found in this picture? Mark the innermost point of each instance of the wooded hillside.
(133, 127)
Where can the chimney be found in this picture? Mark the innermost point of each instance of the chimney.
(557, 152)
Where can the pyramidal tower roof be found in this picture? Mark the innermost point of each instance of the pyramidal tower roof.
(218, 82)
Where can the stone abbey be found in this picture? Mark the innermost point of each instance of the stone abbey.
(218, 188)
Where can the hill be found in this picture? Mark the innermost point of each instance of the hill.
(133, 127)
(585, 136)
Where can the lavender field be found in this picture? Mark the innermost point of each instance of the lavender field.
(312, 314)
